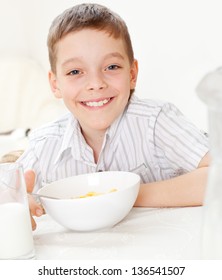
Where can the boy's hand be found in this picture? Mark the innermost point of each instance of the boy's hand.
(35, 208)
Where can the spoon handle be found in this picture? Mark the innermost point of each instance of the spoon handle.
(41, 195)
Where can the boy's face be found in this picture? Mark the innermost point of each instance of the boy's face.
(94, 77)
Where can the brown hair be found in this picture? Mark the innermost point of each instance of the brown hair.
(87, 16)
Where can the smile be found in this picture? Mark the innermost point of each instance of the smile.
(99, 103)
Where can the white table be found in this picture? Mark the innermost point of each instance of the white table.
(170, 233)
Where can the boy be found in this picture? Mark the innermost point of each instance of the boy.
(93, 69)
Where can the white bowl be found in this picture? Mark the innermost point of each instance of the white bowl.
(91, 213)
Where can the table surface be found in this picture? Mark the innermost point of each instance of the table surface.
(146, 233)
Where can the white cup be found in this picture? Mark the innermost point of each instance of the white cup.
(16, 239)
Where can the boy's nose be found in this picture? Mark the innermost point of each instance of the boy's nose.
(96, 82)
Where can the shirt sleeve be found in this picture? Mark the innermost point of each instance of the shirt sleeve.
(178, 141)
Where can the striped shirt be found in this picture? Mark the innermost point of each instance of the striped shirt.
(151, 138)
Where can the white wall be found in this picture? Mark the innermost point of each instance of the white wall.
(175, 41)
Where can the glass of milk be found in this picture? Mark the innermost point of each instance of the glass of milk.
(16, 239)
(210, 91)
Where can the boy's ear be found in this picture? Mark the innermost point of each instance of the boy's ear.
(134, 73)
(53, 84)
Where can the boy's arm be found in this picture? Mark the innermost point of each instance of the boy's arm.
(185, 190)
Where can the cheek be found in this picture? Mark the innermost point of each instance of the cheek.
(68, 90)
(122, 83)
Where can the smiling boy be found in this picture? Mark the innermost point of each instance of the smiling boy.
(94, 77)
(94, 71)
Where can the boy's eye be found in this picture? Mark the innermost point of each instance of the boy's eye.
(113, 67)
(74, 72)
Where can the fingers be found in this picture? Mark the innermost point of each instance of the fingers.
(29, 180)
(33, 223)
(35, 208)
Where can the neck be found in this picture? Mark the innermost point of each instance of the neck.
(94, 139)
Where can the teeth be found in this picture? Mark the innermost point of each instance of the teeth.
(97, 104)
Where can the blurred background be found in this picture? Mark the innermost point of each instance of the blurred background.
(176, 43)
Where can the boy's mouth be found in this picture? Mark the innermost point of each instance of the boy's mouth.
(98, 103)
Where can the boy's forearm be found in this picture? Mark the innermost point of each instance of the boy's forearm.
(184, 190)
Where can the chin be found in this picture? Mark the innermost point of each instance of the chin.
(100, 125)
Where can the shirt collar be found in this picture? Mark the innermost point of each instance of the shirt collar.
(71, 136)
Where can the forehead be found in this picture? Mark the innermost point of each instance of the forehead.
(89, 42)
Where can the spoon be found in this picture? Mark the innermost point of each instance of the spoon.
(30, 193)
(42, 195)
